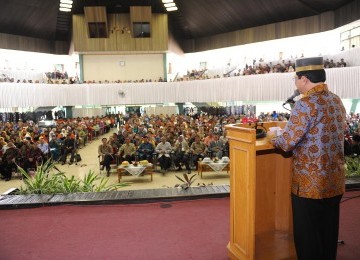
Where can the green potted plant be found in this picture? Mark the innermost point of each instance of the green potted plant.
(352, 166)
(44, 181)
(186, 181)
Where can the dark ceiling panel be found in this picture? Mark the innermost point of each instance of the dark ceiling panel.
(194, 19)
(209, 17)
(35, 18)
(323, 6)
(118, 6)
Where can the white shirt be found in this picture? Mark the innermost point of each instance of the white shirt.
(163, 149)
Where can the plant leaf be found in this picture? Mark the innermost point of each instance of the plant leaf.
(179, 178)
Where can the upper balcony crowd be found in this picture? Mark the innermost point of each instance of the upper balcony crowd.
(260, 67)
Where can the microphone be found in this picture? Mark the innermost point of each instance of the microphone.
(291, 98)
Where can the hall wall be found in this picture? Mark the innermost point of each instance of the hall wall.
(302, 26)
(123, 67)
(120, 38)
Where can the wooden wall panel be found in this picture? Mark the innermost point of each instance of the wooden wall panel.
(327, 21)
(140, 13)
(347, 13)
(118, 41)
(302, 26)
(79, 32)
(95, 14)
(23, 43)
(117, 23)
(159, 27)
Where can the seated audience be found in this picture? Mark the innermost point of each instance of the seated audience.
(163, 149)
(209, 138)
(68, 148)
(198, 149)
(127, 151)
(355, 147)
(83, 135)
(216, 147)
(7, 161)
(44, 147)
(105, 151)
(181, 149)
(146, 150)
(30, 155)
(55, 147)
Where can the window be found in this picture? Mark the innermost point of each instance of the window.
(141, 30)
(97, 30)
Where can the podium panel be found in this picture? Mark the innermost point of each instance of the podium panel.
(260, 206)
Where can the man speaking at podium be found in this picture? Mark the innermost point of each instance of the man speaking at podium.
(315, 135)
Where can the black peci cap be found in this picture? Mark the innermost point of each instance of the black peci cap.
(306, 64)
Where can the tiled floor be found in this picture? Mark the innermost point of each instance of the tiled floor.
(90, 162)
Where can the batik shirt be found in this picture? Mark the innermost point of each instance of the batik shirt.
(198, 148)
(128, 149)
(315, 134)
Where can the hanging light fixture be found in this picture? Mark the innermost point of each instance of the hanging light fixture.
(64, 9)
(169, 5)
(69, 6)
(169, 9)
(65, 5)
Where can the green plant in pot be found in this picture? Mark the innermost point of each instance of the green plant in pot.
(352, 166)
(44, 181)
(186, 181)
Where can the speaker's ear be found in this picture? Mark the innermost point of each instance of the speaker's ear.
(260, 133)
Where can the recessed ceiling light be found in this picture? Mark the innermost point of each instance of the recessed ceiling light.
(66, 1)
(170, 5)
(63, 9)
(169, 9)
(65, 5)
(167, 1)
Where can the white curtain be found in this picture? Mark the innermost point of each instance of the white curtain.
(268, 87)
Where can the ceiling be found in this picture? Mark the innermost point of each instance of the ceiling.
(194, 19)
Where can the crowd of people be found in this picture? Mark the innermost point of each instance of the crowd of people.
(168, 139)
(75, 80)
(282, 66)
(27, 145)
(260, 67)
(352, 137)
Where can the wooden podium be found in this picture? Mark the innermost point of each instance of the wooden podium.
(260, 197)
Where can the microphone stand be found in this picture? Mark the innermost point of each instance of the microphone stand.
(262, 132)
(291, 103)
